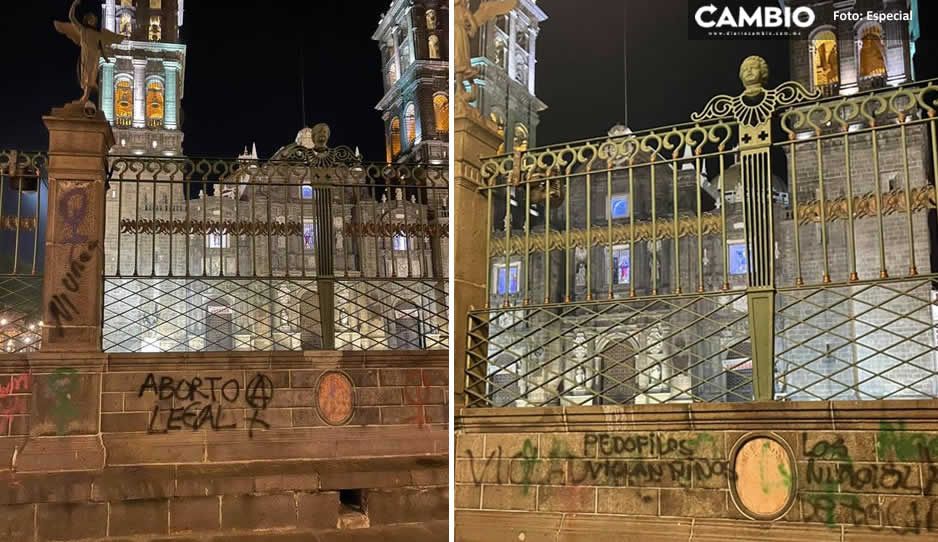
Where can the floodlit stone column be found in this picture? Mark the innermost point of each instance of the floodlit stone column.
(474, 137)
(74, 253)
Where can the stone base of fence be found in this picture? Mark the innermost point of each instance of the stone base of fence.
(223, 446)
(861, 470)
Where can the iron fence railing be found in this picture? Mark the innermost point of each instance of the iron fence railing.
(23, 210)
(300, 252)
(707, 262)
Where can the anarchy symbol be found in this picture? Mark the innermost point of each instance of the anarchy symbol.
(259, 392)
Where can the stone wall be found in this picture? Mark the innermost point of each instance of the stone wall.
(757, 471)
(223, 446)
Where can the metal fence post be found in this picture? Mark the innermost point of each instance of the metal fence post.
(73, 293)
(325, 266)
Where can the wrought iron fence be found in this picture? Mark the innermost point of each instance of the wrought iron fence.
(309, 250)
(23, 209)
(707, 262)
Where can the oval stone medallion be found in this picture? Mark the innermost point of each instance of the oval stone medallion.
(764, 483)
(334, 397)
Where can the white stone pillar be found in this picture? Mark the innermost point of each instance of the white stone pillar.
(140, 109)
(532, 60)
(170, 69)
(110, 15)
(107, 89)
(512, 25)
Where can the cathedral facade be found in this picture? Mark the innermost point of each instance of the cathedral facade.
(312, 248)
(847, 349)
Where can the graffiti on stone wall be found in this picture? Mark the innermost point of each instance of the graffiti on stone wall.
(199, 402)
(60, 387)
(11, 403)
(62, 304)
(895, 492)
(603, 459)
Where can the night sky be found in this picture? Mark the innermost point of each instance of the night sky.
(242, 73)
(243, 82)
(580, 65)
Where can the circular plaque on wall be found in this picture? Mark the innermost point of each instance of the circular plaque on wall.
(764, 482)
(334, 397)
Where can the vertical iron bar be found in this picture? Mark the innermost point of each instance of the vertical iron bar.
(589, 232)
(566, 252)
(883, 272)
(913, 269)
(488, 244)
(631, 226)
(796, 221)
(697, 181)
(851, 240)
(677, 234)
(654, 231)
(527, 241)
(608, 202)
(724, 249)
(507, 225)
(826, 278)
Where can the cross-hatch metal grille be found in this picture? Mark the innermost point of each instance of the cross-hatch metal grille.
(311, 250)
(414, 313)
(628, 351)
(23, 201)
(871, 340)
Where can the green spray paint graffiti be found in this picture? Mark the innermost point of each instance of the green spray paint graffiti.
(61, 386)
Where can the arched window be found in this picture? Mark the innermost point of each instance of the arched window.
(154, 103)
(441, 112)
(431, 19)
(433, 43)
(392, 72)
(410, 123)
(872, 52)
(521, 137)
(825, 60)
(123, 102)
(395, 136)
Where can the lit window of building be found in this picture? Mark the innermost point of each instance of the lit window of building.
(621, 264)
(410, 123)
(155, 29)
(507, 279)
(739, 259)
(619, 206)
(441, 111)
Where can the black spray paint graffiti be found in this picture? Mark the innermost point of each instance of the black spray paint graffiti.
(838, 482)
(602, 462)
(207, 398)
(61, 305)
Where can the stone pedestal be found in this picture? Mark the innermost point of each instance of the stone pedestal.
(74, 249)
(474, 138)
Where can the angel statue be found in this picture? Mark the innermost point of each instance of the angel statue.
(467, 23)
(94, 44)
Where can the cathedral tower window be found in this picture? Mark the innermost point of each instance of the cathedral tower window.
(123, 102)
(825, 61)
(154, 104)
(872, 52)
(395, 136)
(156, 4)
(441, 112)
(156, 31)
(431, 19)
(125, 24)
(410, 123)
(392, 72)
(433, 43)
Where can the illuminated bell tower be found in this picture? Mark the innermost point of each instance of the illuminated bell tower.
(504, 53)
(414, 40)
(846, 52)
(142, 84)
